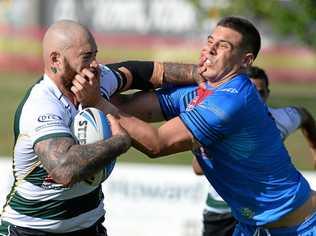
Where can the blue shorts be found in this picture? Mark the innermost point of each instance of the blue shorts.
(306, 228)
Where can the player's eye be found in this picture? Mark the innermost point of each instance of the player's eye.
(210, 42)
(224, 45)
(86, 57)
(261, 92)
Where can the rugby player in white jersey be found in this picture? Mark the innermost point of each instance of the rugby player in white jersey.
(50, 195)
(217, 217)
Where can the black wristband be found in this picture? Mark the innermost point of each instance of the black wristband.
(141, 71)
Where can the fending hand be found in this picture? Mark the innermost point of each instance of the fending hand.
(116, 128)
(86, 87)
(201, 68)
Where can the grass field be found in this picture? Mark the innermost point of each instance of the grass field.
(14, 86)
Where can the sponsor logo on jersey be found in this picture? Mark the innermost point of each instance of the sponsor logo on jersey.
(201, 95)
(229, 90)
(247, 212)
(48, 117)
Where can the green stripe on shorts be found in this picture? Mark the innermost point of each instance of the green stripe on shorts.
(211, 202)
(4, 228)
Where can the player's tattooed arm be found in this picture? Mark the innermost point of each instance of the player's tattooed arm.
(68, 163)
(147, 75)
(178, 73)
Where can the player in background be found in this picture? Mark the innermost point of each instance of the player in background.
(217, 217)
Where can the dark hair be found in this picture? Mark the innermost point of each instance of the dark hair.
(250, 35)
(254, 72)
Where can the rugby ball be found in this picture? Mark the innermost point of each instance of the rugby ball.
(89, 126)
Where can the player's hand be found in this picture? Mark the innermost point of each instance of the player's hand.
(116, 128)
(201, 67)
(86, 86)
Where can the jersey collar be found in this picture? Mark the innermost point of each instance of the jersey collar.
(56, 92)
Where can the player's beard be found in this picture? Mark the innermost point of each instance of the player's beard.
(67, 82)
(69, 76)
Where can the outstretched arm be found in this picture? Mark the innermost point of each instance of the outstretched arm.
(179, 73)
(308, 127)
(172, 137)
(146, 75)
(143, 105)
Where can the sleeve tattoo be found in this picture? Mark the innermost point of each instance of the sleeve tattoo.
(68, 163)
(177, 73)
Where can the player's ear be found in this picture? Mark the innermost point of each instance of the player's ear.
(55, 61)
(248, 60)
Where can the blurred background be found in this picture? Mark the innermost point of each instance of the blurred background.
(165, 30)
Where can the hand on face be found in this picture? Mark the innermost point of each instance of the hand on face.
(202, 68)
(86, 86)
(203, 59)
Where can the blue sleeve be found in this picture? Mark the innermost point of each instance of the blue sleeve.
(170, 99)
(213, 119)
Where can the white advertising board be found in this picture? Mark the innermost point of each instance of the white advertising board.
(154, 200)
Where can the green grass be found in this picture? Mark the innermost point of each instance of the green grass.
(14, 85)
(11, 92)
(283, 61)
(20, 45)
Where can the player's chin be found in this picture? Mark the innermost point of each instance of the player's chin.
(209, 74)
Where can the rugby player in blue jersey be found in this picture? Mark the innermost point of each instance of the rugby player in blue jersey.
(233, 135)
(217, 217)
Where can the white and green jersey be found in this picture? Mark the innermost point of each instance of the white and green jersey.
(287, 120)
(35, 200)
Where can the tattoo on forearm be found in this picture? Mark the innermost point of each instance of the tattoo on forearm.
(68, 163)
(88, 159)
(177, 73)
(51, 151)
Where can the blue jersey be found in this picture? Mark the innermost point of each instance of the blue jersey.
(242, 154)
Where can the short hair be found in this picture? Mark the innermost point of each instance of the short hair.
(251, 39)
(255, 72)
